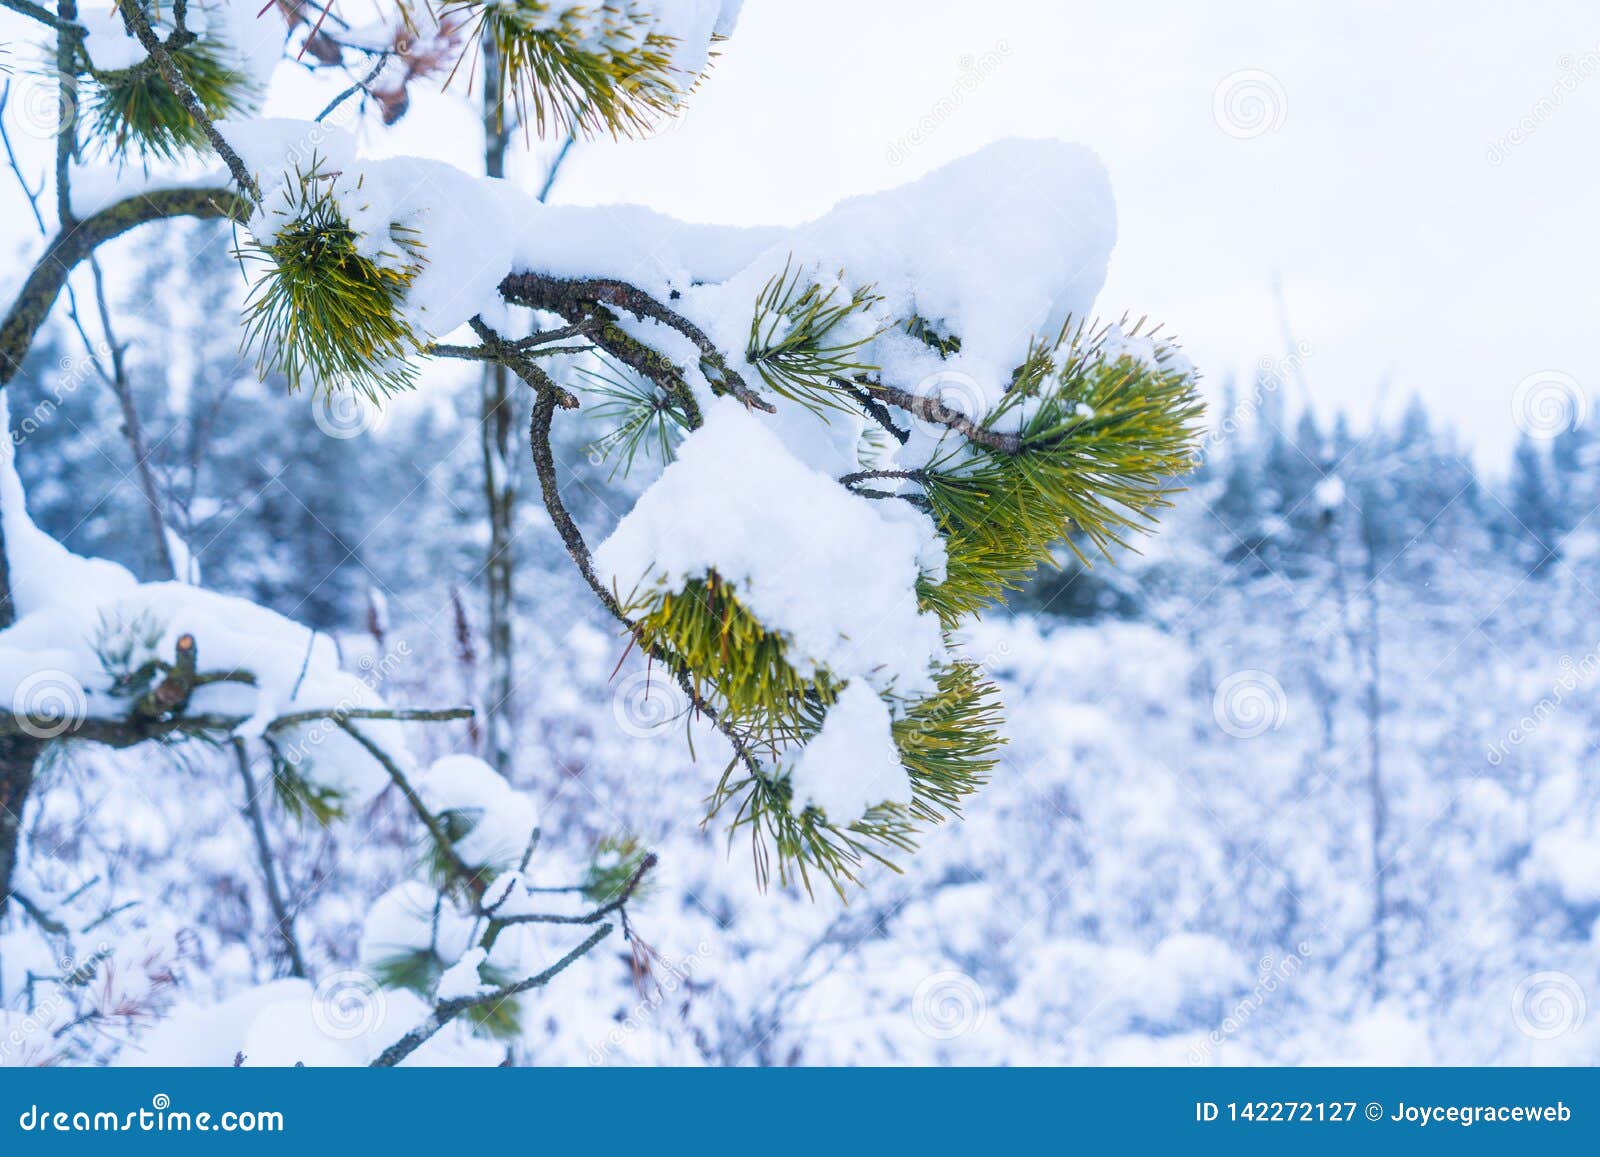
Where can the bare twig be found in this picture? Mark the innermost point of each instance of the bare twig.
(624, 894)
(132, 429)
(282, 917)
(73, 245)
(358, 86)
(472, 880)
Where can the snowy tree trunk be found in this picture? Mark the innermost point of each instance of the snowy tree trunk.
(18, 754)
(498, 439)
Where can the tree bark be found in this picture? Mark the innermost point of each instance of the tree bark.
(498, 436)
(18, 754)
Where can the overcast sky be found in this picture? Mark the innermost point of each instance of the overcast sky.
(1363, 152)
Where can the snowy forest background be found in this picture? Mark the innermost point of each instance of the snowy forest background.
(1307, 780)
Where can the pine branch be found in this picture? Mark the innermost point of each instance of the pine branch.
(931, 409)
(575, 299)
(121, 733)
(170, 72)
(447, 1010)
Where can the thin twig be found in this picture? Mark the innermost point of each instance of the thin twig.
(358, 86)
(269, 870)
(472, 880)
(447, 1010)
(132, 429)
(622, 897)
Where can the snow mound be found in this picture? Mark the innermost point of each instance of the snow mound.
(823, 567)
(502, 818)
(73, 612)
(852, 764)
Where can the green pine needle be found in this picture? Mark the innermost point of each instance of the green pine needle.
(793, 342)
(324, 311)
(732, 659)
(134, 110)
(1102, 438)
(736, 664)
(645, 418)
(616, 861)
(621, 81)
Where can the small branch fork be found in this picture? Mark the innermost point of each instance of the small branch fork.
(474, 883)
(447, 1010)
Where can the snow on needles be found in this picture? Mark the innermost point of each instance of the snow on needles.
(812, 561)
(997, 248)
(501, 818)
(852, 764)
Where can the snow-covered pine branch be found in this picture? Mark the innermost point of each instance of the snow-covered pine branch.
(934, 339)
(771, 590)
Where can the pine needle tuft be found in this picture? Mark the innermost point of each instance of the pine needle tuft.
(323, 310)
(582, 69)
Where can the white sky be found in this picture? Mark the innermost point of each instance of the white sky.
(1409, 262)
